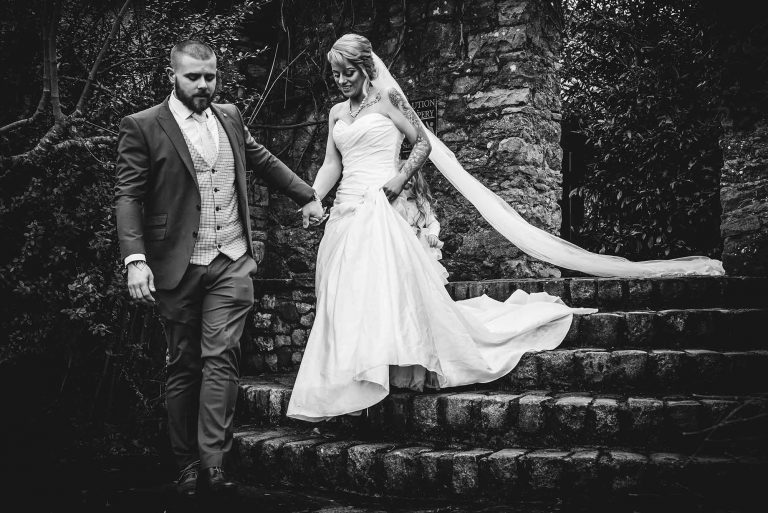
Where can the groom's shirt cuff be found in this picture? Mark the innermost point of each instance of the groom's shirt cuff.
(134, 258)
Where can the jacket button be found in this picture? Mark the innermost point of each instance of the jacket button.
(194, 235)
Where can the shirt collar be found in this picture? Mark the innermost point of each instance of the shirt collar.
(181, 111)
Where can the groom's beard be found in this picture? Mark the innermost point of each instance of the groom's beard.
(197, 103)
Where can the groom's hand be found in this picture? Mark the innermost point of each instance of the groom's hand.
(312, 210)
(141, 282)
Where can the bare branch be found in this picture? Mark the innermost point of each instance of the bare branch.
(52, 58)
(95, 68)
(288, 127)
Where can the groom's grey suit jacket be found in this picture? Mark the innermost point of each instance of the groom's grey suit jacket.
(157, 201)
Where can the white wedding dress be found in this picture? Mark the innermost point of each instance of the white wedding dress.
(383, 316)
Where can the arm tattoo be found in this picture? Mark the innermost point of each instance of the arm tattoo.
(421, 147)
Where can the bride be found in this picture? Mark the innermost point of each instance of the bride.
(383, 316)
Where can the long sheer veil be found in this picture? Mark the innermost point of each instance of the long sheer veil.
(534, 241)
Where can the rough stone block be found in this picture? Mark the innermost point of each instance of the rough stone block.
(402, 474)
(546, 470)
(426, 417)
(683, 416)
(573, 338)
(461, 411)
(526, 374)
(628, 368)
(364, 470)
(666, 368)
(645, 417)
(332, 462)
(556, 287)
(556, 369)
(672, 291)
(530, 413)
(582, 472)
(249, 448)
(610, 293)
(583, 292)
(496, 410)
(500, 472)
(269, 454)
(397, 412)
(708, 370)
(436, 470)
(605, 416)
(602, 329)
(641, 329)
(627, 471)
(299, 460)
(668, 471)
(639, 293)
(593, 367)
(570, 415)
(465, 479)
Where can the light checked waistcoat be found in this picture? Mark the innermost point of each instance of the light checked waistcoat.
(221, 229)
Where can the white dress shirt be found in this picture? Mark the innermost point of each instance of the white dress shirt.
(191, 128)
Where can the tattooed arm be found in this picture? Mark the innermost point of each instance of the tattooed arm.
(406, 120)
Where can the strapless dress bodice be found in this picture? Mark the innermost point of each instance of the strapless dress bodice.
(369, 147)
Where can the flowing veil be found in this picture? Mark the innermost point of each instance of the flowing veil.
(534, 241)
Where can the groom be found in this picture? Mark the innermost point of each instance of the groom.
(185, 237)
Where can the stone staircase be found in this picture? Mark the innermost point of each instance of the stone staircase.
(663, 393)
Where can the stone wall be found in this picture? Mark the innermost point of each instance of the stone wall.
(492, 66)
(276, 335)
(744, 198)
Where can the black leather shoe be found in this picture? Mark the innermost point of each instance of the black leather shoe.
(216, 481)
(186, 485)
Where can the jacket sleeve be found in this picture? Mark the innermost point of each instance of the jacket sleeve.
(131, 187)
(269, 167)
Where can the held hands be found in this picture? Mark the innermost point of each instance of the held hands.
(433, 241)
(141, 282)
(395, 186)
(312, 213)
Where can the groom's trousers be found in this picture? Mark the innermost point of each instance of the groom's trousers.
(203, 318)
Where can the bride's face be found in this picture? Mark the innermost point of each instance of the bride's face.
(349, 79)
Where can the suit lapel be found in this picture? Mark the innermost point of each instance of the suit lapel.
(172, 130)
(233, 135)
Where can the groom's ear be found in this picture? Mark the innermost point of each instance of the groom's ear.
(171, 74)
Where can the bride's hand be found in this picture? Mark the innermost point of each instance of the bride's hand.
(394, 187)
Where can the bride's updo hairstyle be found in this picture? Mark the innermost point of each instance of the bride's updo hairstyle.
(357, 50)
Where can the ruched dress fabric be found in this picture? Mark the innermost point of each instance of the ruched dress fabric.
(383, 316)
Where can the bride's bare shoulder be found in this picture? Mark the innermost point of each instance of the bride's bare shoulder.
(335, 110)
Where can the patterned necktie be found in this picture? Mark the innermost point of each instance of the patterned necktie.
(206, 139)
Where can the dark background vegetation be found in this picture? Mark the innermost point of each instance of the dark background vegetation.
(647, 86)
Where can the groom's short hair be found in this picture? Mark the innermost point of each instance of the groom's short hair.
(193, 48)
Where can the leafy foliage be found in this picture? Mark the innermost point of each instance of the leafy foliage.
(60, 274)
(638, 84)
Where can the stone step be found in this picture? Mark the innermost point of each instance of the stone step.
(595, 370)
(686, 423)
(301, 458)
(610, 294)
(703, 328)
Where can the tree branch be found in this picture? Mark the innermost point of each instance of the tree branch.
(53, 72)
(94, 69)
(288, 127)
